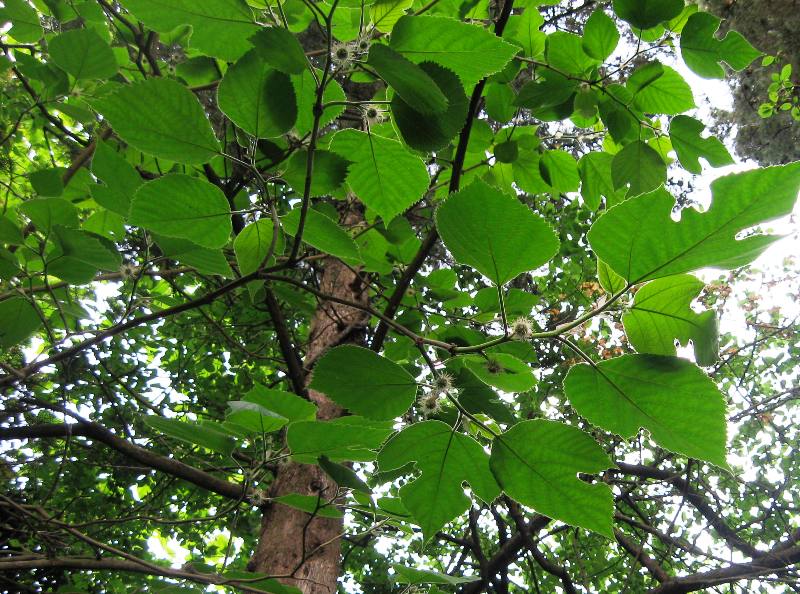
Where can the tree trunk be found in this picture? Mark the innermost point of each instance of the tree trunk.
(289, 543)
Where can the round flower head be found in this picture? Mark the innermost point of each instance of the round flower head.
(362, 44)
(342, 54)
(443, 383)
(128, 271)
(371, 114)
(521, 329)
(429, 405)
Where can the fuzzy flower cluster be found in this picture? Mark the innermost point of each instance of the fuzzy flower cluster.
(431, 403)
(344, 54)
(522, 328)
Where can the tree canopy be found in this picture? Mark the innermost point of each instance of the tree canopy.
(387, 296)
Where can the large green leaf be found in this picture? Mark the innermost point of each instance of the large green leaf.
(494, 233)
(161, 117)
(690, 146)
(288, 405)
(638, 166)
(600, 35)
(83, 54)
(280, 49)
(257, 98)
(253, 243)
(346, 438)
(48, 212)
(660, 89)
(24, 20)
(79, 254)
(253, 417)
(186, 207)
(703, 52)
(18, 320)
(205, 260)
(537, 462)
(364, 382)
(596, 180)
(445, 459)
(120, 178)
(565, 53)
(432, 132)
(330, 171)
(644, 14)
(194, 433)
(385, 176)
(407, 79)
(470, 51)
(322, 233)
(661, 314)
(412, 575)
(672, 398)
(220, 28)
(501, 370)
(640, 240)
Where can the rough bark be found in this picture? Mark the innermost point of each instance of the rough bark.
(291, 541)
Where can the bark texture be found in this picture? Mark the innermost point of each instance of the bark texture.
(291, 541)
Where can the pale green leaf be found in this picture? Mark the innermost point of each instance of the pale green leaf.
(288, 405)
(83, 54)
(600, 35)
(408, 80)
(690, 146)
(194, 433)
(346, 438)
(25, 26)
(703, 52)
(502, 371)
(254, 417)
(660, 89)
(412, 575)
(253, 243)
(323, 233)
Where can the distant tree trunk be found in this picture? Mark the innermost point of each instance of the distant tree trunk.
(289, 543)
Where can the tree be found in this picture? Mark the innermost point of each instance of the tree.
(383, 293)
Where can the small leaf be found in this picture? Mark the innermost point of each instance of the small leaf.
(704, 53)
(322, 233)
(186, 207)
(408, 80)
(494, 233)
(690, 146)
(330, 171)
(311, 504)
(412, 575)
(504, 372)
(559, 169)
(120, 178)
(257, 98)
(286, 404)
(364, 382)
(600, 35)
(25, 26)
(609, 280)
(253, 243)
(344, 476)
(161, 117)
(18, 320)
(445, 459)
(596, 180)
(537, 462)
(205, 260)
(672, 398)
(661, 313)
(640, 241)
(346, 438)
(280, 49)
(83, 54)
(660, 89)
(254, 417)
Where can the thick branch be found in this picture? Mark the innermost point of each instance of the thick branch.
(141, 455)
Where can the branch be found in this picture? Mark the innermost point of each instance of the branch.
(640, 556)
(293, 363)
(139, 454)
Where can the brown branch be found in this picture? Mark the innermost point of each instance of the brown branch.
(642, 557)
(293, 363)
(139, 454)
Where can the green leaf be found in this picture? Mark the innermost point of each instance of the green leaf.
(322, 233)
(257, 98)
(162, 118)
(345, 438)
(120, 178)
(445, 459)
(433, 132)
(609, 280)
(499, 102)
(306, 91)
(280, 49)
(330, 171)
(640, 240)
(205, 260)
(550, 90)
(704, 53)
(639, 167)
(384, 175)
(344, 476)
(18, 320)
(494, 233)
(596, 181)
(178, 205)
(311, 504)
(286, 404)
(600, 35)
(252, 245)
(470, 51)
(560, 171)
(254, 417)
(537, 462)
(502, 371)
(660, 89)
(565, 53)
(524, 30)
(662, 313)
(412, 575)
(48, 182)
(78, 255)
(24, 20)
(193, 433)
(644, 14)
(47, 212)
(384, 14)
(364, 382)
(408, 80)
(220, 28)
(672, 398)
(83, 54)
(685, 134)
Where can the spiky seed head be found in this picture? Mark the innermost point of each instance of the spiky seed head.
(372, 114)
(128, 271)
(429, 405)
(521, 328)
(443, 383)
(342, 54)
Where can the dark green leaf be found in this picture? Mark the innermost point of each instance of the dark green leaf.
(408, 80)
(639, 167)
(280, 49)
(18, 320)
(193, 433)
(644, 14)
